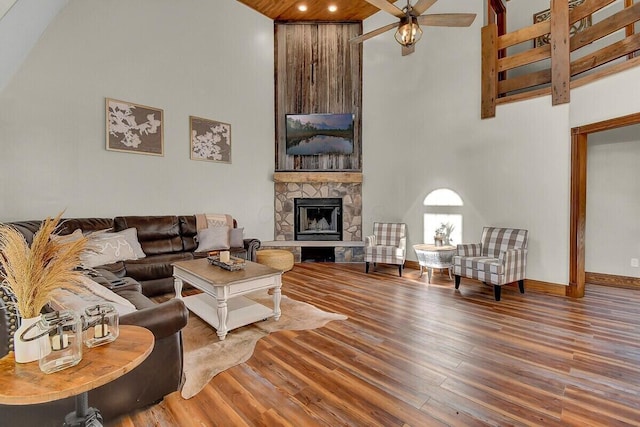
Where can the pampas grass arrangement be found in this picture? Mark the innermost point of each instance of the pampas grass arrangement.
(33, 273)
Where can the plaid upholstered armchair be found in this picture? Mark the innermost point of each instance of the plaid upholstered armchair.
(387, 245)
(500, 258)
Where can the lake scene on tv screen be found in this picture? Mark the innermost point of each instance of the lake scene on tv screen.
(313, 134)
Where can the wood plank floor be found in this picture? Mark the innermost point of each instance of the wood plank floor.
(413, 354)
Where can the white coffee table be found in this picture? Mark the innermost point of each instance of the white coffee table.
(221, 303)
(432, 256)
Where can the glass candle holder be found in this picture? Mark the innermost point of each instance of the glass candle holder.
(101, 325)
(63, 346)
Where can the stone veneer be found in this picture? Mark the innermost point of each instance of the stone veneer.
(351, 195)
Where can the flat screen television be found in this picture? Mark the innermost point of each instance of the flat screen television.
(315, 134)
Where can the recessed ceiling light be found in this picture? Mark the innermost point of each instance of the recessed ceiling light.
(302, 7)
(333, 8)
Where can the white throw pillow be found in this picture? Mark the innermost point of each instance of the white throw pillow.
(131, 236)
(107, 248)
(213, 238)
(236, 237)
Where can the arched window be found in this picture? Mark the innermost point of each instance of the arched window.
(443, 211)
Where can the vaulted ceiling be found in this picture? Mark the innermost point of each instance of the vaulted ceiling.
(317, 10)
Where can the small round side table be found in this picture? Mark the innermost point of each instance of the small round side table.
(432, 256)
(23, 384)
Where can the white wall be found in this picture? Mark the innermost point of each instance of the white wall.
(185, 57)
(613, 211)
(422, 127)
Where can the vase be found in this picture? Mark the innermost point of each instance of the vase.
(28, 351)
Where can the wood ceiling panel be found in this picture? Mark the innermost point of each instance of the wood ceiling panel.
(287, 10)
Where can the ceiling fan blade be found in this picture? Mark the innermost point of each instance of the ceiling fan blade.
(408, 50)
(421, 6)
(373, 33)
(387, 7)
(447, 19)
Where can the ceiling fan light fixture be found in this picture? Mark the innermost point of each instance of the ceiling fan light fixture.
(408, 32)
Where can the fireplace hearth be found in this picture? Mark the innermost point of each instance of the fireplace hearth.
(318, 219)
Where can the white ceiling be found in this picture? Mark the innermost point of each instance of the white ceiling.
(5, 5)
(21, 25)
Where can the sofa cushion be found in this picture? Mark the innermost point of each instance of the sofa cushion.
(157, 234)
(188, 232)
(154, 266)
(68, 226)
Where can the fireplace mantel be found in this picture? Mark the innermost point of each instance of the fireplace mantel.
(342, 177)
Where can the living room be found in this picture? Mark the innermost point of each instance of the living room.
(215, 59)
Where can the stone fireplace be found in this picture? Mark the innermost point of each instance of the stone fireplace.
(317, 188)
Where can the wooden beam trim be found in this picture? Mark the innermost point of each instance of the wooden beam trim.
(524, 95)
(524, 34)
(614, 123)
(606, 54)
(612, 280)
(525, 81)
(578, 213)
(560, 54)
(541, 28)
(524, 58)
(586, 9)
(605, 27)
(581, 81)
(344, 177)
(489, 74)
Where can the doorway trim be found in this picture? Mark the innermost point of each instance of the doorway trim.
(578, 215)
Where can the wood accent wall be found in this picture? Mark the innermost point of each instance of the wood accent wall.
(317, 70)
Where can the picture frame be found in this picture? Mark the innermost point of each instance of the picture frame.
(210, 140)
(134, 128)
(545, 15)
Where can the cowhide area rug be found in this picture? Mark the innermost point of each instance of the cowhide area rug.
(205, 355)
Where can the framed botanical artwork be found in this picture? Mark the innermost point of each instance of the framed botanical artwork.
(210, 140)
(545, 15)
(134, 128)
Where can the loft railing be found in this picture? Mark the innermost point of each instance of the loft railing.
(511, 77)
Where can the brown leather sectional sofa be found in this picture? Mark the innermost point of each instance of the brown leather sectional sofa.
(164, 239)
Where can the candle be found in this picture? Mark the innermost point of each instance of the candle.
(101, 330)
(224, 256)
(60, 344)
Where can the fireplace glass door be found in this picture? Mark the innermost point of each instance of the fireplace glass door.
(318, 219)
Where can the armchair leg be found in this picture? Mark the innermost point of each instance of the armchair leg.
(521, 286)
(400, 270)
(457, 282)
(496, 291)
(366, 270)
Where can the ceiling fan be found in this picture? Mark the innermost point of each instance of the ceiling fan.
(411, 17)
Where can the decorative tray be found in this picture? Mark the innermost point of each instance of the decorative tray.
(234, 263)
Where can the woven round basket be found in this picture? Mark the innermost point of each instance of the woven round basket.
(275, 258)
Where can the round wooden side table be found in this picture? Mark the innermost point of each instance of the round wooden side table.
(432, 256)
(24, 384)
